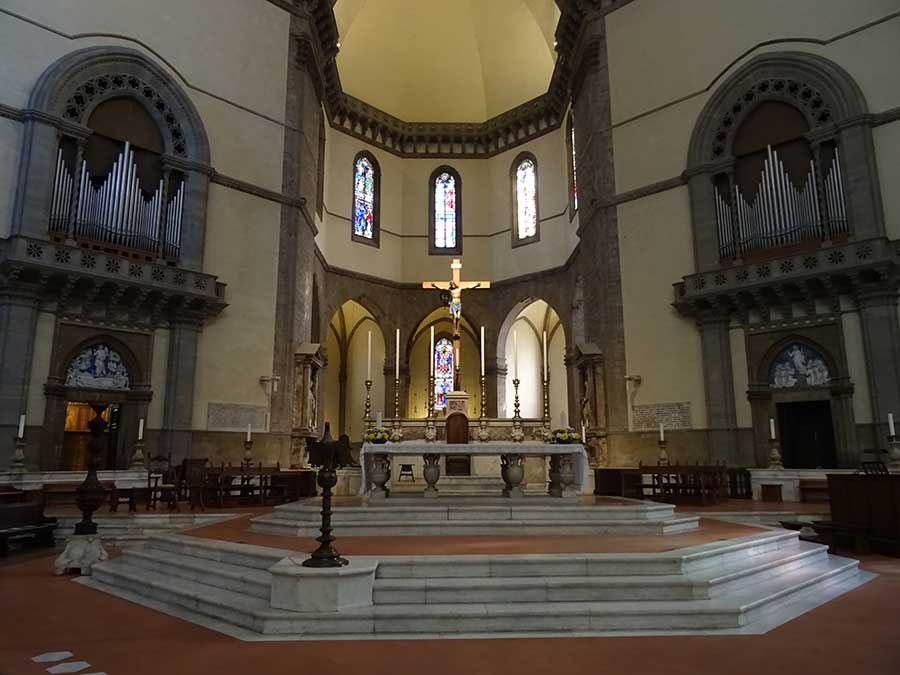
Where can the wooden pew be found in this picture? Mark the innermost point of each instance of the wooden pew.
(25, 520)
(865, 510)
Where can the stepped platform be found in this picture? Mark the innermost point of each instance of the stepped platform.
(745, 584)
(460, 515)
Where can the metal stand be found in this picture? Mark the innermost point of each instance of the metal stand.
(430, 396)
(483, 435)
(137, 459)
(663, 458)
(516, 407)
(517, 434)
(248, 452)
(368, 417)
(546, 430)
(396, 430)
(326, 555)
(18, 462)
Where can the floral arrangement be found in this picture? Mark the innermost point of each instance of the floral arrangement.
(377, 435)
(565, 436)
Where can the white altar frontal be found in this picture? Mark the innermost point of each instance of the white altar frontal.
(569, 470)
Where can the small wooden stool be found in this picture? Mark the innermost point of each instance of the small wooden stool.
(406, 470)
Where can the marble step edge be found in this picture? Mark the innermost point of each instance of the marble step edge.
(518, 617)
(217, 550)
(563, 588)
(455, 515)
(478, 522)
(247, 580)
(384, 506)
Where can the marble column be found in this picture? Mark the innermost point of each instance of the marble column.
(178, 405)
(18, 325)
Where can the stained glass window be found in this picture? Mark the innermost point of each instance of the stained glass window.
(364, 224)
(443, 371)
(445, 211)
(574, 166)
(526, 199)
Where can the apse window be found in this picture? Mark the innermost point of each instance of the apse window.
(366, 188)
(525, 199)
(443, 371)
(445, 212)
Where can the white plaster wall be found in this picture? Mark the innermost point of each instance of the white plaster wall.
(356, 378)
(158, 378)
(486, 212)
(887, 150)
(656, 249)
(529, 370)
(856, 365)
(559, 398)
(40, 367)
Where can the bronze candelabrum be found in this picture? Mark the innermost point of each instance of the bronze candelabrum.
(327, 455)
(397, 398)
(516, 407)
(368, 417)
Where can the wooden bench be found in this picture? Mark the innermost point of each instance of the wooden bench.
(25, 521)
(67, 494)
(815, 491)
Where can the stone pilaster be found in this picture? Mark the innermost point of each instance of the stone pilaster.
(178, 405)
(296, 245)
(881, 341)
(718, 380)
(18, 324)
(599, 260)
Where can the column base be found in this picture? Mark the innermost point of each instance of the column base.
(83, 551)
(330, 589)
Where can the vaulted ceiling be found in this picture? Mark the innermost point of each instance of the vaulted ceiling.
(449, 61)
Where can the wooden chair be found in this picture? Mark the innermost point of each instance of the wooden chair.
(406, 470)
(162, 483)
(192, 485)
(878, 468)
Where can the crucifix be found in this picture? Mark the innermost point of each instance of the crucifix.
(456, 286)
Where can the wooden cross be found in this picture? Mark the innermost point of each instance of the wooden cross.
(456, 286)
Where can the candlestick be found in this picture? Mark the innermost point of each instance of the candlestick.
(368, 418)
(515, 354)
(894, 453)
(544, 343)
(137, 459)
(21, 426)
(546, 397)
(516, 414)
(141, 429)
(249, 431)
(248, 451)
(483, 389)
(771, 429)
(775, 456)
(397, 355)
(583, 433)
(18, 462)
(662, 433)
(663, 458)
(891, 424)
(378, 419)
(369, 356)
(482, 352)
(430, 399)
(431, 355)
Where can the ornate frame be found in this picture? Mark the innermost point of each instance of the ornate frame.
(432, 249)
(376, 207)
(513, 169)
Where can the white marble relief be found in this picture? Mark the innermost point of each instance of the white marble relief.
(798, 366)
(98, 367)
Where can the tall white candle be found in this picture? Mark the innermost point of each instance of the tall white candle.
(515, 355)
(545, 355)
(662, 433)
(563, 420)
(378, 419)
(482, 351)
(21, 426)
(369, 357)
(890, 423)
(397, 356)
(458, 364)
(431, 353)
(771, 429)
(141, 429)
(249, 431)
(583, 433)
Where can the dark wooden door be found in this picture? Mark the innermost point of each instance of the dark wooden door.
(459, 465)
(807, 435)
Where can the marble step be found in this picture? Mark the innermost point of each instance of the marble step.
(240, 579)
(712, 583)
(240, 555)
(801, 588)
(415, 510)
(407, 528)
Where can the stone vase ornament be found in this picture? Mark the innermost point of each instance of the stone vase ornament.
(430, 431)
(381, 474)
(512, 470)
(562, 476)
(432, 473)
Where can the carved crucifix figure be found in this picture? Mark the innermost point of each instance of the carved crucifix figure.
(455, 286)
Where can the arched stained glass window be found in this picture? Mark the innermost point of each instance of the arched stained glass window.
(525, 199)
(443, 371)
(366, 185)
(444, 202)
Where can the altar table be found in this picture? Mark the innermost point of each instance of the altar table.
(568, 463)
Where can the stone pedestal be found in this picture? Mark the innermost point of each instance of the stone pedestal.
(82, 552)
(329, 589)
(457, 402)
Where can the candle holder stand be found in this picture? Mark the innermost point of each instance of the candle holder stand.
(516, 407)
(517, 434)
(137, 459)
(545, 432)
(662, 459)
(18, 460)
(396, 427)
(429, 408)
(894, 453)
(368, 416)
(774, 455)
(248, 452)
